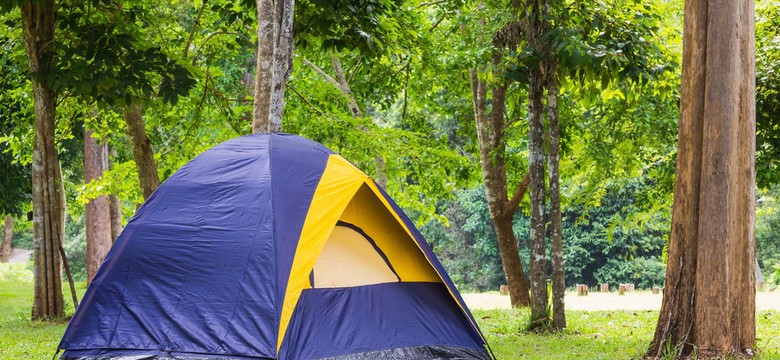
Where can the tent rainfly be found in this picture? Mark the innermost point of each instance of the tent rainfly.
(271, 246)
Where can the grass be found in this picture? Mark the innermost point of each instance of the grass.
(21, 338)
(590, 335)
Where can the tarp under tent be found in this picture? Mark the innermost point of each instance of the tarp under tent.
(271, 246)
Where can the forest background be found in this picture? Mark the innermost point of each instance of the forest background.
(389, 80)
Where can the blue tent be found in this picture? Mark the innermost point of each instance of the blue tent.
(271, 247)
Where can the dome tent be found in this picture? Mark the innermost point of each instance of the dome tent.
(271, 246)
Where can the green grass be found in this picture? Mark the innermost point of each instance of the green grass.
(596, 335)
(590, 335)
(21, 338)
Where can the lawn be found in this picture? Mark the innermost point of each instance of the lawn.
(591, 335)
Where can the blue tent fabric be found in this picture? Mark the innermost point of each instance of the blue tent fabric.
(342, 321)
(200, 272)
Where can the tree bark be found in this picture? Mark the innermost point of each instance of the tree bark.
(97, 211)
(537, 241)
(283, 64)
(115, 209)
(142, 150)
(274, 63)
(38, 20)
(261, 115)
(712, 238)
(555, 226)
(491, 138)
(8, 236)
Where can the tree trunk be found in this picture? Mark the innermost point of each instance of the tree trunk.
(490, 135)
(142, 150)
(8, 236)
(537, 241)
(713, 217)
(264, 74)
(536, 27)
(115, 207)
(556, 231)
(283, 64)
(115, 210)
(97, 211)
(38, 19)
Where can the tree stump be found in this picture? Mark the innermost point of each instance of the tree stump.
(622, 289)
(604, 288)
(503, 290)
(656, 290)
(582, 290)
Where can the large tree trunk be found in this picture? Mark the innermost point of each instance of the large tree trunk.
(274, 63)
(8, 236)
(709, 297)
(38, 19)
(490, 135)
(283, 63)
(265, 64)
(555, 226)
(142, 150)
(97, 210)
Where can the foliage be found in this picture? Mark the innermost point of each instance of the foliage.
(75, 245)
(102, 55)
(369, 26)
(16, 182)
(467, 244)
(599, 246)
(767, 230)
(767, 93)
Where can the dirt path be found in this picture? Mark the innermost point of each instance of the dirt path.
(20, 255)
(639, 300)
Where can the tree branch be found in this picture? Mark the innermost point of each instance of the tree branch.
(192, 31)
(321, 72)
(352, 103)
(514, 202)
(310, 105)
(430, 3)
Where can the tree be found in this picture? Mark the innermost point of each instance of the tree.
(709, 297)
(48, 194)
(274, 62)
(536, 27)
(97, 211)
(492, 145)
